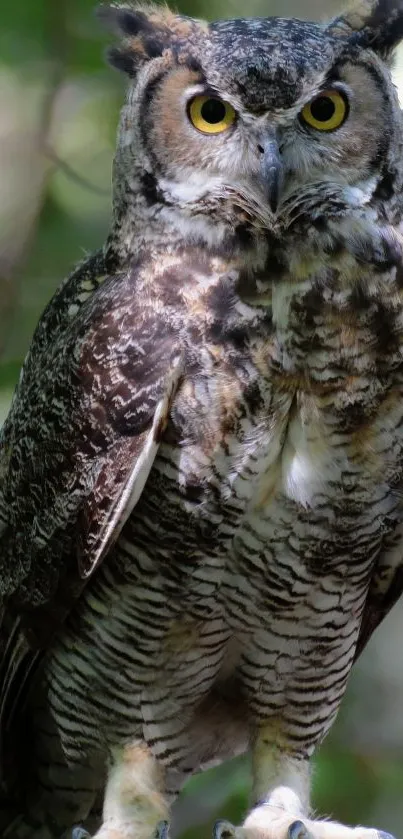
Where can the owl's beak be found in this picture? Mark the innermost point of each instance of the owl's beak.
(272, 171)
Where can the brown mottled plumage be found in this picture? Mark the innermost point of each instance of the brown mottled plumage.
(201, 472)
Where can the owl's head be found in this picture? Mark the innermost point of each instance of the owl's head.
(255, 124)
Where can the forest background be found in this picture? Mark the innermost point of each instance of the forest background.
(59, 106)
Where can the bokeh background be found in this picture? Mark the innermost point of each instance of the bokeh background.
(59, 106)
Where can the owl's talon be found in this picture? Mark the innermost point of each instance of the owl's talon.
(162, 831)
(223, 830)
(297, 830)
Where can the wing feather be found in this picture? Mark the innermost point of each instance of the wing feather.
(76, 452)
(121, 480)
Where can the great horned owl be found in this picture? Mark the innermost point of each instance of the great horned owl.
(201, 500)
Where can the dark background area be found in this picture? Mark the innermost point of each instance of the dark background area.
(59, 107)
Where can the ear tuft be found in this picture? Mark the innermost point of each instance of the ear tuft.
(376, 24)
(147, 32)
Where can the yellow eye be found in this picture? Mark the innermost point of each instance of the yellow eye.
(327, 112)
(211, 115)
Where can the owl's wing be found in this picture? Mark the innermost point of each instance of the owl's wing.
(385, 589)
(76, 452)
(122, 474)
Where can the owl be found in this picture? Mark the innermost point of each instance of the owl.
(201, 518)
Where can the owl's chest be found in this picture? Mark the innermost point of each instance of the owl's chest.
(295, 487)
(301, 430)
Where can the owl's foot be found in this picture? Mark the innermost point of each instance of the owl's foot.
(271, 822)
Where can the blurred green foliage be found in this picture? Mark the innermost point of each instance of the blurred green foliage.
(59, 107)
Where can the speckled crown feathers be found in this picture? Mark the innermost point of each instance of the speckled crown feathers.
(148, 30)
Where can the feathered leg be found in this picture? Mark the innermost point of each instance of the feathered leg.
(135, 802)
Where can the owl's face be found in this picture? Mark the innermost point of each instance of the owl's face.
(258, 120)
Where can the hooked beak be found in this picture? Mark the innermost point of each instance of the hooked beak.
(271, 171)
